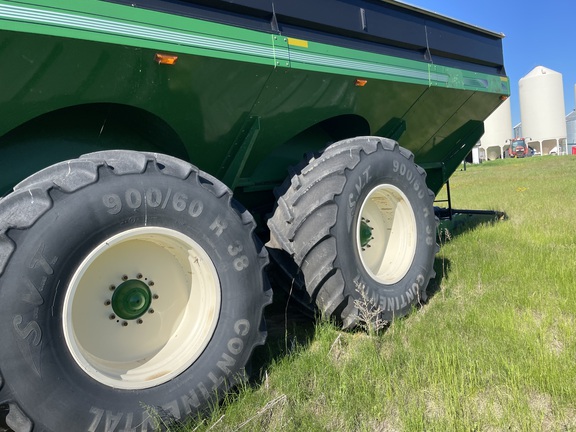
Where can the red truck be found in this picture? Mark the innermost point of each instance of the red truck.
(518, 148)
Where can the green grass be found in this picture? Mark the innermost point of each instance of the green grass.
(493, 349)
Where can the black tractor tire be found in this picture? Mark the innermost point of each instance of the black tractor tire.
(358, 223)
(132, 289)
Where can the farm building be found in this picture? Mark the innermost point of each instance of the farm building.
(571, 131)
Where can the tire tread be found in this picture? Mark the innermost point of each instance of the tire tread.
(306, 212)
(31, 199)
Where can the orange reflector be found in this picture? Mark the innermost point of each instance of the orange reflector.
(503, 97)
(165, 59)
(360, 82)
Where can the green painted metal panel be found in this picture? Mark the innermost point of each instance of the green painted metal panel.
(154, 30)
(115, 24)
(338, 60)
(65, 54)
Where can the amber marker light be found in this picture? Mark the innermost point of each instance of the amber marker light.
(360, 82)
(503, 97)
(165, 59)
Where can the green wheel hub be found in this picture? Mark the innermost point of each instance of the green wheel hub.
(131, 299)
(365, 234)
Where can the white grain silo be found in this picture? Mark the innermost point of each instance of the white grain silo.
(497, 130)
(542, 109)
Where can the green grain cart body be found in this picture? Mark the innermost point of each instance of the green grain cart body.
(240, 103)
(135, 134)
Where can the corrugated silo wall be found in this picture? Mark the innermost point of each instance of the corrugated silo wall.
(571, 124)
(571, 128)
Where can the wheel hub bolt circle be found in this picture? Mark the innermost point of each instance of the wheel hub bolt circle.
(131, 299)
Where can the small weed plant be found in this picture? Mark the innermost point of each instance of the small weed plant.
(369, 313)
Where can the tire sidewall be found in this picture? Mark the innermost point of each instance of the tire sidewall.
(35, 362)
(385, 167)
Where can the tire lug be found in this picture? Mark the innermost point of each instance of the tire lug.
(139, 276)
(150, 283)
(139, 321)
(124, 324)
(112, 287)
(125, 277)
(107, 303)
(151, 311)
(155, 296)
(112, 316)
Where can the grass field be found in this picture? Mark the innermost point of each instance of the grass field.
(493, 349)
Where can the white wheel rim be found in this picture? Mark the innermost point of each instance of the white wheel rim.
(177, 326)
(386, 234)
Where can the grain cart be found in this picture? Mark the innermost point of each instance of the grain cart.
(131, 278)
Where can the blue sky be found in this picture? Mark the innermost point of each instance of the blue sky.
(538, 33)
